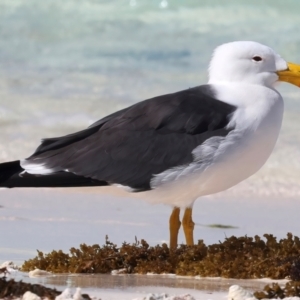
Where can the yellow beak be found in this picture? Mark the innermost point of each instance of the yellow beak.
(291, 75)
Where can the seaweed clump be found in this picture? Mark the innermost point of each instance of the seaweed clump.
(274, 291)
(235, 257)
(138, 257)
(11, 288)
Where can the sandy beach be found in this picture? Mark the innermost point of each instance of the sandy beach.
(139, 287)
(48, 219)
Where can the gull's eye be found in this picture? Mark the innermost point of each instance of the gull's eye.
(257, 58)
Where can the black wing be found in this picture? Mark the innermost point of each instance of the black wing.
(131, 145)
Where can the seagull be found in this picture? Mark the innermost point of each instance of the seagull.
(176, 147)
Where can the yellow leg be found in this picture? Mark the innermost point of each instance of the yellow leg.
(188, 226)
(174, 225)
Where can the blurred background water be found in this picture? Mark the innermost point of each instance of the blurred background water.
(65, 64)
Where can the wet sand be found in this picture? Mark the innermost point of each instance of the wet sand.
(47, 219)
(138, 286)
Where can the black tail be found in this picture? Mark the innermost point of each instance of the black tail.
(10, 177)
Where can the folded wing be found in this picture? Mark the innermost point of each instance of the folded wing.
(132, 145)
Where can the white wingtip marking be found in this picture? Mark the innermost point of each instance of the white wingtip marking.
(36, 168)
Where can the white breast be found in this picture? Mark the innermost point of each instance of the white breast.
(240, 154)
(257, 123)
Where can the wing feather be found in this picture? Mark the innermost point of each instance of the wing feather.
(130, 146)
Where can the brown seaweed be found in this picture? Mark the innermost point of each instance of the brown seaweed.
(11, 288)
(274, 290)
(235, 257)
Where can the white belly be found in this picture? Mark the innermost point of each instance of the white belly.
(241, 160)
(243, 153)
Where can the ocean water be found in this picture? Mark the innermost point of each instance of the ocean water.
(65, 64)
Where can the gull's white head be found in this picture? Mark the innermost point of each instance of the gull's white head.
(247, 62)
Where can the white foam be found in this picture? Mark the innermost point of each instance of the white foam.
(238, 293)
(164, 296)
(9, 265)
(77, 295)
(37, 272)
(119, 271)
(67, 295)
(30, 296)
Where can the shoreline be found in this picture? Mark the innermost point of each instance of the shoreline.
(132, 286)
(46, 219)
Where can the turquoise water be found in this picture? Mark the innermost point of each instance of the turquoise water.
(65, 64)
